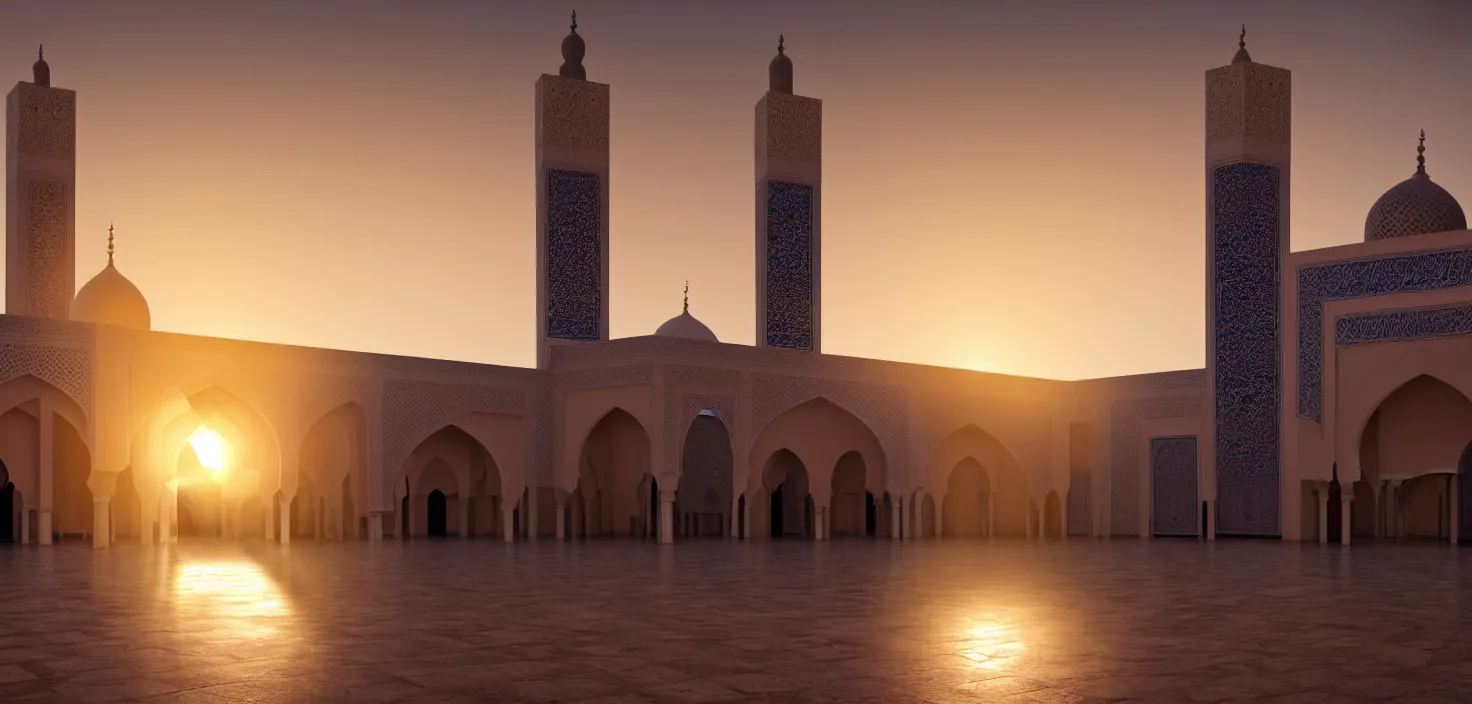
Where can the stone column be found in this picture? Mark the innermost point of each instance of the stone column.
(465, 502)
(270, 519)
(940, 522)
(667, 517)
(1030, 524)
(991, 514)
(166, 517)
(285, 520)
(1377, 491)
(896, 527)
(102, 519)
(1322, 490)
(508, 524)
(561, 531)
(1346, 502)
(531, 513)
(25, 525)
(47, 470)
(375, 526)
(1392, 519)
(1451, 508)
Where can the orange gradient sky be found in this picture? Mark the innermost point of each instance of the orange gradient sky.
(1008, 186)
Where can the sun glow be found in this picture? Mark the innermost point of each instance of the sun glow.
(211, 449)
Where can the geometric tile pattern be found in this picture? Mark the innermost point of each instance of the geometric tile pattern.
(1124, 452)
(47, 292)
(574, 255)
(1402, 325)
(789, 285)
(1173, 494)
(42, 121)
(1246, 253)
(1404, 273)
(1414, 206)
(68, 369)
(843, 621)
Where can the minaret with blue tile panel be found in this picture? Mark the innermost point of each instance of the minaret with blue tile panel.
(572, 204)
(789, 232)
(1248, 157)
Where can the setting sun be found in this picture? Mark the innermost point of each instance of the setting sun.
(210, 447)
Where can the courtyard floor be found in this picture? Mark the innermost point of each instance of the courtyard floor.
(842, 621)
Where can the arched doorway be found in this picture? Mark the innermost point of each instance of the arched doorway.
(1412, 449)
(706, 466)
(789, 507)
(964, 510)
(850, 507)
(435, 514)
(8, 526)
(456, 464)
(613, 468)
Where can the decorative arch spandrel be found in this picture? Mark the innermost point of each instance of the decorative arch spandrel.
(883, 408)
(1023, 428)
(414, 410)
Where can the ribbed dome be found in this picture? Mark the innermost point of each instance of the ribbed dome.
(1415, 206)
(111, 299)
(686, 326)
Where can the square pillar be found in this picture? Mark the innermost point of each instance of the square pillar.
(666, 517)
(991, 514)
(561, 518)
(508, 525)
(285, 520)
(1211, 519)
(531, 513)
(1323, 494)
(1346, 503)
(101, 520)
(1452, 505)
(465, 503)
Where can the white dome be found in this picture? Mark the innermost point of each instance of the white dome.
(111, 299)
(686, 326)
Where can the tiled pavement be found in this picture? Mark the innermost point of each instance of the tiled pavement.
(850, 622)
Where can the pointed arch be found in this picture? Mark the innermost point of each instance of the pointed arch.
(819, 431)
(707, 471)
(1009, 485)
(456, 462)
(1367, 401)
(614, 466)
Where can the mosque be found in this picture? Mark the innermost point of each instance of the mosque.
(1333, 406)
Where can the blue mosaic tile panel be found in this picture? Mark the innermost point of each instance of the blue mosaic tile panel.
(1421, 271)
(1402, 325)
(1246, 253)
(789, 265)
(574, 255)
(1174, 497)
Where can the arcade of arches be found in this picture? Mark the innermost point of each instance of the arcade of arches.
(1415, 452)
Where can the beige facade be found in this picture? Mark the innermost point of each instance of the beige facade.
(1334, 402)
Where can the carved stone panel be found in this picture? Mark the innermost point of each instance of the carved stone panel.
(47, 281)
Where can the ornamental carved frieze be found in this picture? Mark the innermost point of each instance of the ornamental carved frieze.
(884, 408)
(413, 410)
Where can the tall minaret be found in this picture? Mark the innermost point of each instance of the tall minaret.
(40, 204)
(789, 232)
(1248, 149)
(572, 204)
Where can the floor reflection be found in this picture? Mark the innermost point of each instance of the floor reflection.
(235, 596)
(991, 645)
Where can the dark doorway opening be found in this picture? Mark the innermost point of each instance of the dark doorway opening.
(404, 518)
(1336, 512)
(777, 528)
(651, 528)
(436, 514)
(871, 516)
(7, 513)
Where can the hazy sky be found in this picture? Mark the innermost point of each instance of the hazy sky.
(1013, 186)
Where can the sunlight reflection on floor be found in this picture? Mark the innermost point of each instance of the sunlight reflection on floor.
(237, 594)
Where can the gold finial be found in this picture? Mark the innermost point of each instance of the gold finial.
(1242, 38)
(41, 52)
(780, 40)
(687, 297)
(109, 244)
(574, 20)
(1421, 155)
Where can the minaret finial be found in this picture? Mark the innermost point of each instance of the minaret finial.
(687, 297)
(41, 72)
(573, 50)
(1421, 155)
(1241, 56)
(1242, 38)
(781, 39)
(109, 244)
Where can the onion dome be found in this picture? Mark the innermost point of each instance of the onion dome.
(41, 71)
(111, 299)
(573, 51)
(1241, 57)
(779, 72)
(685, 325)
(1415, 206)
